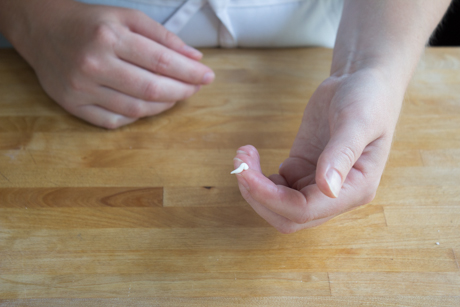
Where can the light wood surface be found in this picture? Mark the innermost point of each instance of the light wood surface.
(148, 215)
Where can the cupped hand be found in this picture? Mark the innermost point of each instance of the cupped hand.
(337, 158)
(111, 66)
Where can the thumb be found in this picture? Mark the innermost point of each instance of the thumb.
(338, 157)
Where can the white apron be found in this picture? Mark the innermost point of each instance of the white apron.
(243, 23)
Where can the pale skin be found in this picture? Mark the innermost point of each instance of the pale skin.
(120, 66)
(349, 122)
(109, 66)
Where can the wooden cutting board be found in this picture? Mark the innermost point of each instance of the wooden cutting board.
(148, 215)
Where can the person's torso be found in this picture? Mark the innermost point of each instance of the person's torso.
(244, 23)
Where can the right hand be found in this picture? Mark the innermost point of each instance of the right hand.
(111, 66)
(338, 156)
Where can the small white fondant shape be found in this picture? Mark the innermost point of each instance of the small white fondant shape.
(241, 168)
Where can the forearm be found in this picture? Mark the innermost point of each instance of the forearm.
(21, 21)
(10, 17)
(385, 34)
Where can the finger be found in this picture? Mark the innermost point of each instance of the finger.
(298, 172)
(356, 191)
(374, 156)
(101, 117)
(157, 58)
(279, 199)
(128, 106)
(359, 187)
(251, 151)
(142, 84)
(281, 223)
(317, 207)
(278, 179)
(344, 148)
(142, 24)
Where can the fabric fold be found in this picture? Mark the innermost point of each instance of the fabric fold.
(227, 37)
(183, 14)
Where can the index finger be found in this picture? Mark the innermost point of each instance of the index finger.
(157, 58)
(140, 23)
(280, 222)
(279, 199)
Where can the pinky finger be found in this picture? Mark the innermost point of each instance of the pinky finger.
(101, 117)
(128, 106)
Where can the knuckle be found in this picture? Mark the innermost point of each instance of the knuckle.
(89, 65)
(303, 218)
(163, 62)
(369, 196)
(251, 150)
(138, 14)
(189, 93)
(349, 155)
(68, 103)
(168, 105)
(286, 229)
(105, 34)
(170, 38)
(111, 123)
(135, 110)
(74, 84)
(152, 91)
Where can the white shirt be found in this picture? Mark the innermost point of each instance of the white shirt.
(244, 23)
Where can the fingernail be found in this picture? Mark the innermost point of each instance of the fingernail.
(243, 181)
(192, 51)
(334, 181)
(242, 152)
(239, 160)
(208, 77)
(280, 165)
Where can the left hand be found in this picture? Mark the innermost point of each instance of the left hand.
(338, 156)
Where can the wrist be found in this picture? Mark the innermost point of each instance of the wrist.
(392, 68)
(388, 36)
(393, 61)
(11, 20)
(378, 88)
(25, 23)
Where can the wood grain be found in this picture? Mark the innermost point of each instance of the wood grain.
(148, 215)
(80, 197)
(396, 283)
(288, 301)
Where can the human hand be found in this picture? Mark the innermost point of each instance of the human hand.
(337, 158)
(111, 66)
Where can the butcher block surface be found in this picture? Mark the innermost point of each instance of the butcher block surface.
(149, 215)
